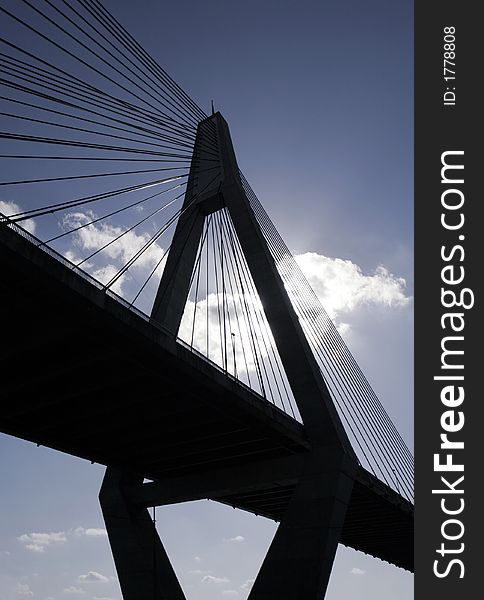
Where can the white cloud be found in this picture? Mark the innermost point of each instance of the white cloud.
(24, 590)
(106, 273)
(38, 542)
(197, 558)
(92, 237)
(216, 580)
(198, 572)
(243, 340)
(10, 208)
(35, 548)
(230, 593)
(238, 539)
(74, 590)
(91, 532)
(248, 584)
(357, 571)
(75, 258)
(102, 598)
(93, 577)
(342, 286)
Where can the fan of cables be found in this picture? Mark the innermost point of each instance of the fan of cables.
(96, 142)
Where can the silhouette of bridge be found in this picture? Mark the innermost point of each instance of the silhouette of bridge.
(189, 349)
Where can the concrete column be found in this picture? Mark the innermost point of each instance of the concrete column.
(144, 569)
(204, 180)
(299, 561)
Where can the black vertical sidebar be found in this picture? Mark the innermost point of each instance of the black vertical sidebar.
(449, 239)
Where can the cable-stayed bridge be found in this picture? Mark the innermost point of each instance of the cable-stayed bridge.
(165, 329)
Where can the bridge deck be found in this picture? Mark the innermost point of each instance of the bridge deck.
(84, 374)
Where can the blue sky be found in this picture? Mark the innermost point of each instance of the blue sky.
(318, 95)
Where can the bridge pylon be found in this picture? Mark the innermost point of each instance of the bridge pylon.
(299, 561)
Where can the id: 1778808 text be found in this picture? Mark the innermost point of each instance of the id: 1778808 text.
(449, 66)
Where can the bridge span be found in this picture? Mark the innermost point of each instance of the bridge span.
(87, 375)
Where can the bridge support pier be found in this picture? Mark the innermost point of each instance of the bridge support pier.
(144, 569)
(299, 561)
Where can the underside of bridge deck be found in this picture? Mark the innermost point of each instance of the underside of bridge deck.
(85, 375)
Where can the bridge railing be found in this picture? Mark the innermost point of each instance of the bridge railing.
(73, 267)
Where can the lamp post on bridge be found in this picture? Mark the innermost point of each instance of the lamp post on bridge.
(233, 349)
